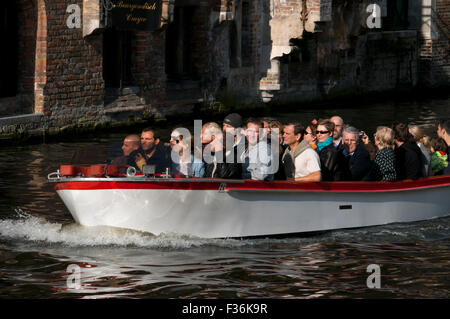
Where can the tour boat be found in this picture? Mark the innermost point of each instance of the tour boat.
(99, 195)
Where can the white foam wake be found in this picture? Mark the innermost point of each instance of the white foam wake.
(37, 229)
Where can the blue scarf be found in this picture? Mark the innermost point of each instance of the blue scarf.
(321, 145)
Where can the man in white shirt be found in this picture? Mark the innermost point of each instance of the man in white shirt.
(300, 161)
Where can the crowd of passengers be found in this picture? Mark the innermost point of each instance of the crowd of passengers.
(324, 150)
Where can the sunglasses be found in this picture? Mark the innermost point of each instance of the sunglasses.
(308, 133)
(322, 132)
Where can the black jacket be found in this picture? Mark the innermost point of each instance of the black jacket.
(329, 164)
(280, 175)
(408, 159)
(221, 169)
(161, 158)
(355, 167)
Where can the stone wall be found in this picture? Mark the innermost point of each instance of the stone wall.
(75, 88)
(336, 52)
(441, 52)
(440, 45)
(254, 50)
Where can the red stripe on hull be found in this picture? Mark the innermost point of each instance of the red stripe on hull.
(438, 181)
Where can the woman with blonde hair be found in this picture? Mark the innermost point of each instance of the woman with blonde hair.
(423, 141)
(383, 168)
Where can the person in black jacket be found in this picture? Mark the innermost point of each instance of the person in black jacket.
(235, 145)
(130, 147)
(354, 157)
(154, 152)
(407, 154)
(337, 132)
(328, 153)
(214, 154)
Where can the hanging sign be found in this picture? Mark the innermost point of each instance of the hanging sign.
(136, 14)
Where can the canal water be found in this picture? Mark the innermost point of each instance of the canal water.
(39, 241)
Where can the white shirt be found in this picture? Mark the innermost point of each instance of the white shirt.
(306, 163)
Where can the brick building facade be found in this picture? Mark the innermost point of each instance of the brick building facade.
(59, 71)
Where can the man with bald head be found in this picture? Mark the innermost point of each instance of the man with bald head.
(337, 134)
(130, 148)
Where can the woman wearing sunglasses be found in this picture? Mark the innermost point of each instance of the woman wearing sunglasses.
(329, 163)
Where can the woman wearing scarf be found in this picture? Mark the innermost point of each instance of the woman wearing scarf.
(328, 154)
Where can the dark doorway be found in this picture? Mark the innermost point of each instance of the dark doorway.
(179, 63)
(117, 51)
(397, 15)
(8, 53)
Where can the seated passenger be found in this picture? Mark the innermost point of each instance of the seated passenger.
(257, 161)
(310, 135)
(276, 130)
(130, 149)
(234, 145)
(301, 162)
(408, 155)
(197, 164)
(266, 126)
(423, 142)
(443, 131)
(154, 152)
(213, 151)
(354, 158)
(370, 147)
(181, 159)
(328, 154)
(439, 157)
(384, 163)
(337, 133)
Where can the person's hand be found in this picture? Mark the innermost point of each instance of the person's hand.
(365, 138)
(140, 161)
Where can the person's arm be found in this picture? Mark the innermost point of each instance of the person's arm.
(313, 177)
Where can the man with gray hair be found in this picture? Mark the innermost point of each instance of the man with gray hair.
(354, 157)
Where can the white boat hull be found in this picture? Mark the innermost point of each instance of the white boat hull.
(240, 210)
